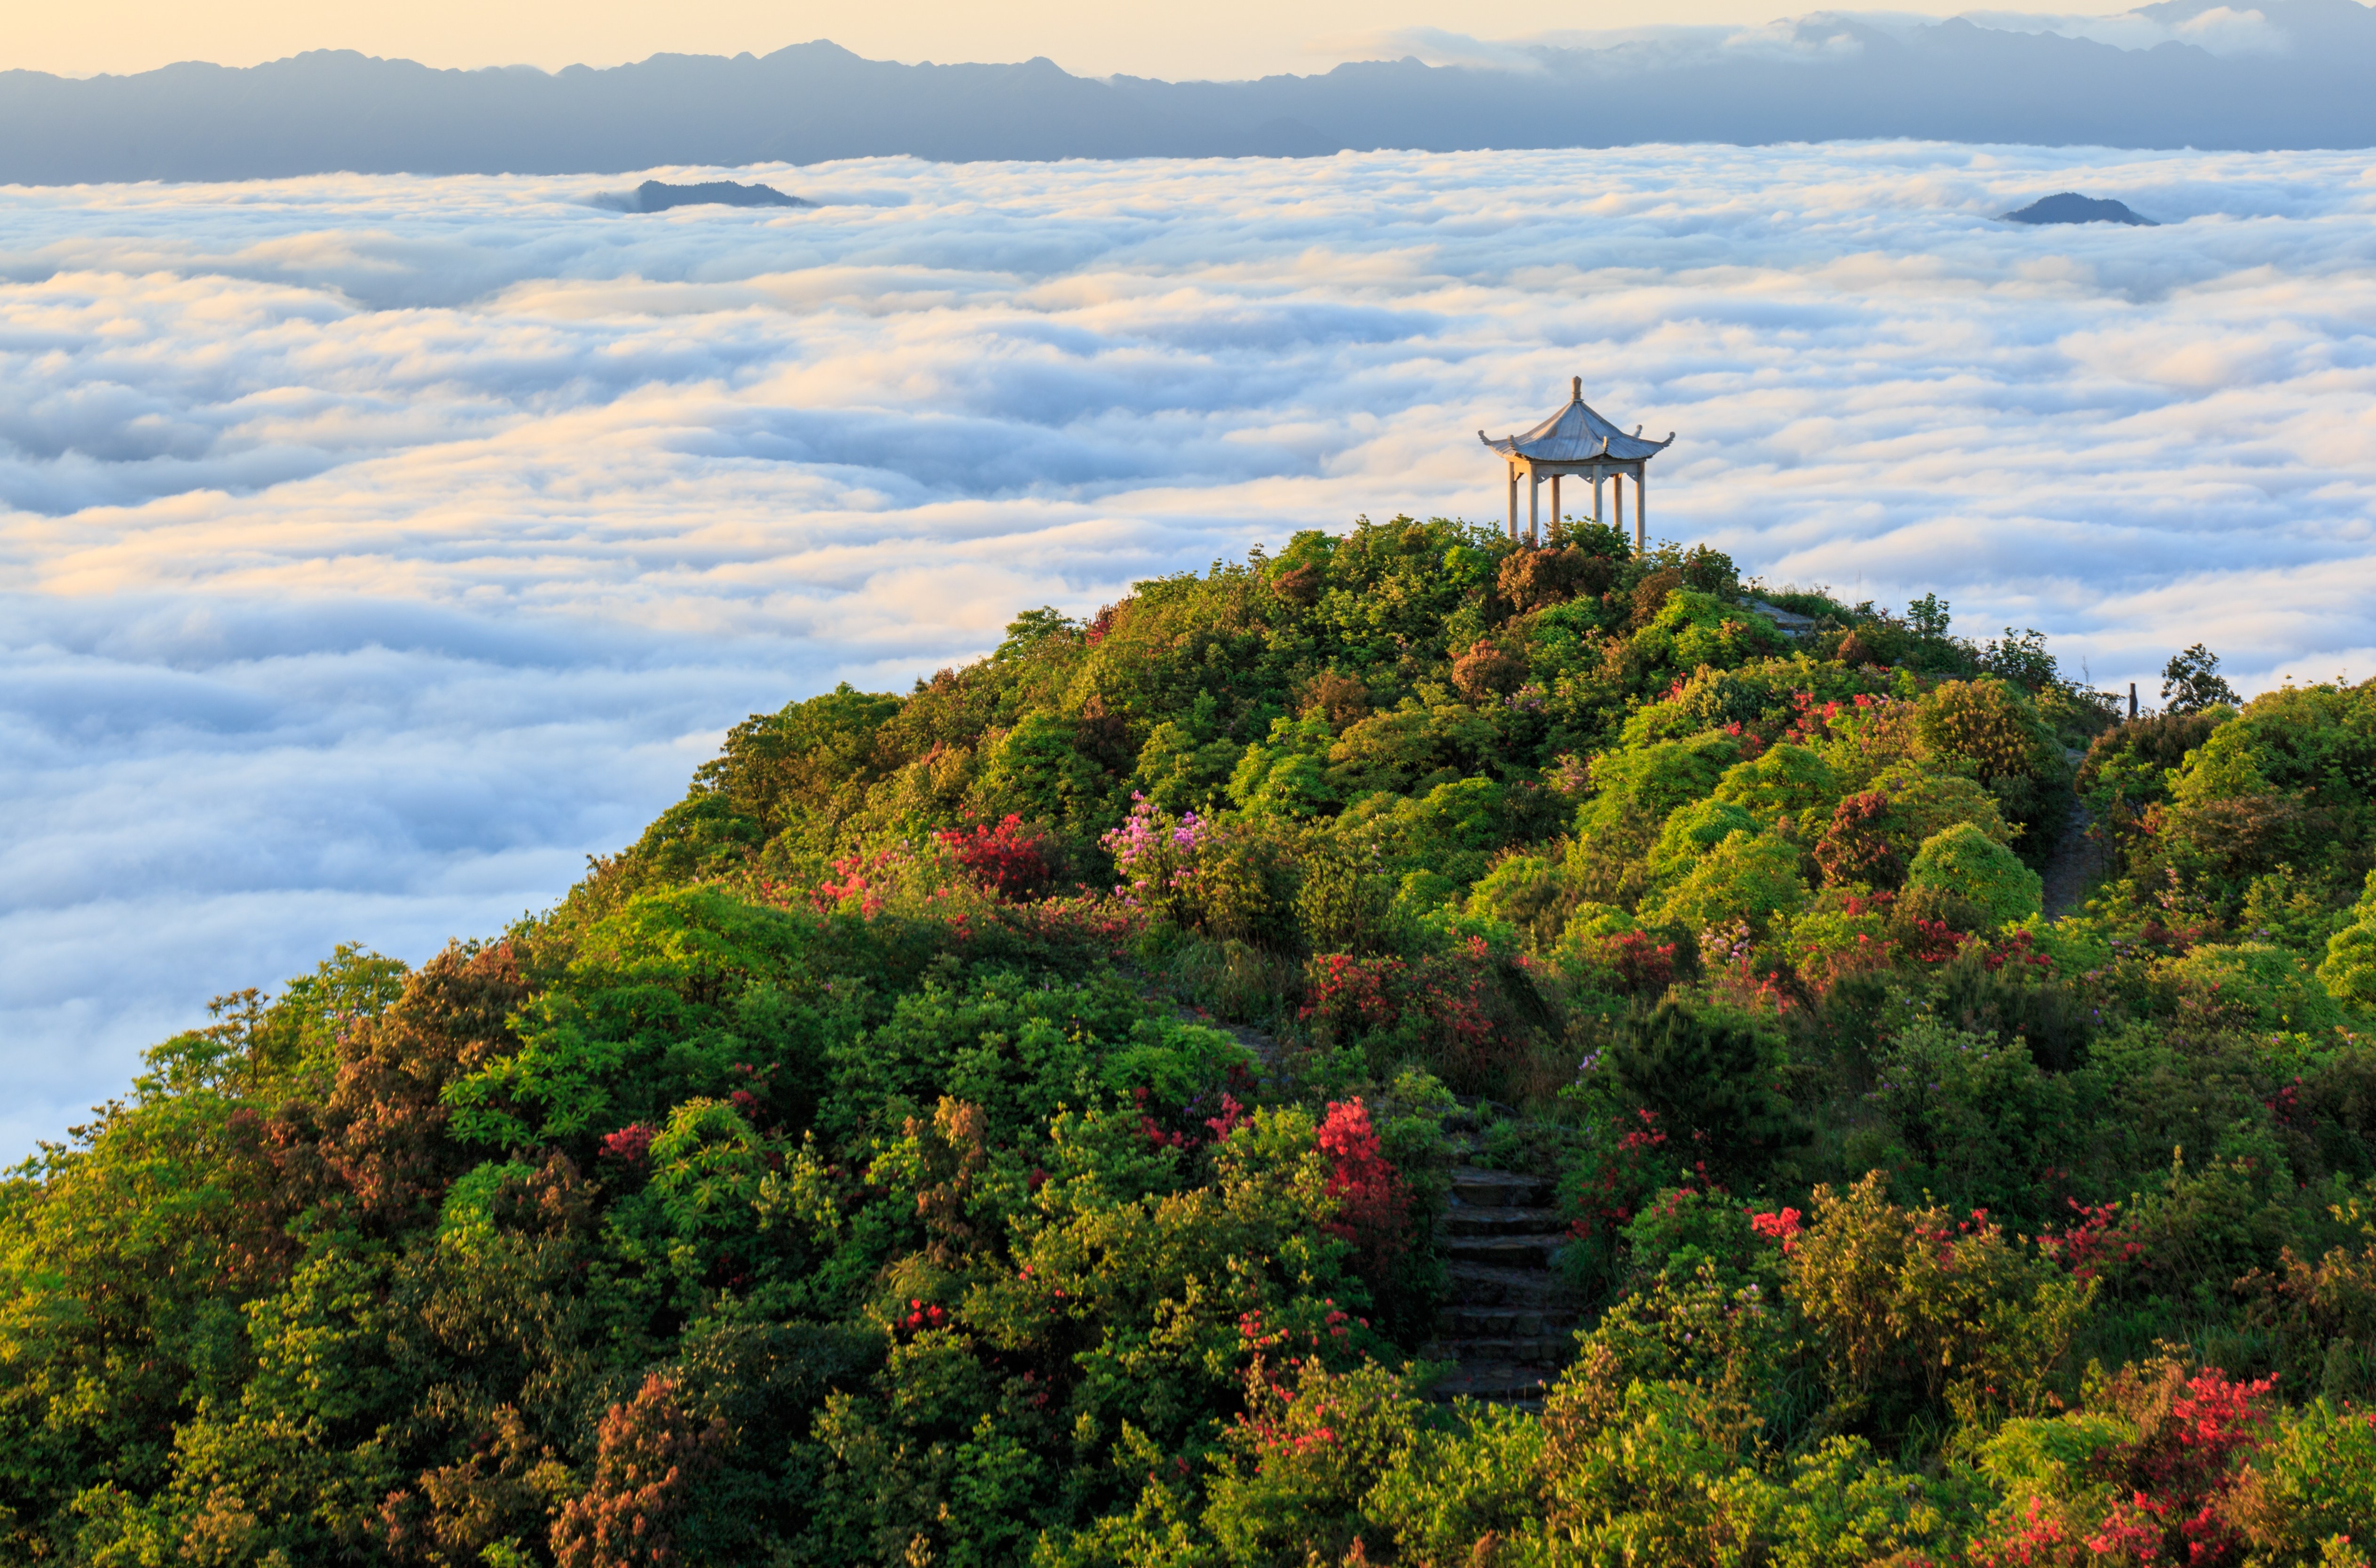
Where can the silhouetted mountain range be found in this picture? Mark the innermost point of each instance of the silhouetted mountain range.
(2300, 82)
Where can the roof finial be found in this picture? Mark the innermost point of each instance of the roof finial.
(1575, 389)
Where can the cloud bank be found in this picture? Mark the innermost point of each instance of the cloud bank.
(375, 548)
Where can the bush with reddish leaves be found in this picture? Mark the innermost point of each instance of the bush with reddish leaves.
(1856, 847)
(651, 1457)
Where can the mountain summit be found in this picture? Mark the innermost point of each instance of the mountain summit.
(652, 195)
(2070, 207)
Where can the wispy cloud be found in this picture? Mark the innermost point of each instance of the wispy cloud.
(2218, 29)
(375, 548)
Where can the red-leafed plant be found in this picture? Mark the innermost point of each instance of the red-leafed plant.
(651, 1453)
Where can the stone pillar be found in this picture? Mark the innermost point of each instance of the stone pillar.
(1617, 485)
(1533, 507)
(1641, 509)
(1595, 493)
(1513, 502)
(1555, 502)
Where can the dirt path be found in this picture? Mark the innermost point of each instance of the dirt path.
(2076, 862)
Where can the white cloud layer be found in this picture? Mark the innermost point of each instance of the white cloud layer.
(373, 549)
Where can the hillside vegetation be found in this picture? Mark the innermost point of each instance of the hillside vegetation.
(1007, 1122)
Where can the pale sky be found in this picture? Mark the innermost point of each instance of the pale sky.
(1217, 39)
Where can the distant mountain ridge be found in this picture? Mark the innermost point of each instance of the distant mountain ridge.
(1823, 77)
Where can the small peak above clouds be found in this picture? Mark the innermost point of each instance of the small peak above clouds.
(2070, 207)
(653, 196)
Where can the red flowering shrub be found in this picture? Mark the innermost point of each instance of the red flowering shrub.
(1232, 1117)
(2192, 1436)
(1303, 1460)
(1843, 934)
(1009, 859)
(1155, 1133)
(2020, 949)
(2087, 1247)
(1373, 1207)
(1812, 721)
(1611, 1182)
(1352, 995)
(1932, 941)
(1643, 967)
(1783, 1226)
(864, 879)
(1437, 1005)
(2180, 1492)
(630, 1145)
(921, 1316)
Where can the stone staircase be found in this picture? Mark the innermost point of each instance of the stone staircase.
(1506, 1319)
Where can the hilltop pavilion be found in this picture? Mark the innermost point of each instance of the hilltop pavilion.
(1577, 441)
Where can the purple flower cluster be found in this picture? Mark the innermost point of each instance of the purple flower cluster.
(1150, 847)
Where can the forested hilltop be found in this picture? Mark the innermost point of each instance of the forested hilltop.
(1016, 1123)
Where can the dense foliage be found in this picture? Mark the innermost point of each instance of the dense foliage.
(1004, 1124)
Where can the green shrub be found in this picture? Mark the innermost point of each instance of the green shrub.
(2348, 971)
(1690, 832)
(1710, 1082)
(1968, 863)
(1749, 877)
(1982, 1124)
(1918, 1310)
(1786, 785)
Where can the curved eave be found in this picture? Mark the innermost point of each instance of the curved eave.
(1615, 449)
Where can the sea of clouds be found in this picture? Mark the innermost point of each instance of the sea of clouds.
(374, 550)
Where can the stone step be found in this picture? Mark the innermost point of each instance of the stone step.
(1506, 1382)
(1474, 1285)
(1459, 1219)
(1529, 1350)
(1480, 1188)
(1503, 1251)
(1462, 1321)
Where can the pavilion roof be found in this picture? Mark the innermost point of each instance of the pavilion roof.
(1577, 434)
